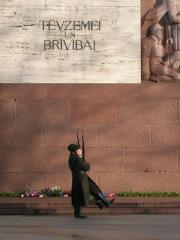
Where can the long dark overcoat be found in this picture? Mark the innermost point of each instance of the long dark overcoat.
(80, 184)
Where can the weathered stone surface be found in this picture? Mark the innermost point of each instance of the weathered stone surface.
(113, 58)
(150, 110)
(39, 159)
(164, 90)
(111, 135)
(16, 91)
(7, 111)
(139, 181)
(28, 135)
(166, 135)
(99, 111)
(8, 135)
(8, 159)
(45, 111)
(144, 135)
(63, 134)
(20, 181)
(82, 111)
(138, 135)
(105, 159)
(151, 159)
(108, 111)
(117, 91)
(71, 91)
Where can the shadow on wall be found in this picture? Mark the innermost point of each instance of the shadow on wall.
(118, 131)
(37, 122)
(33, 142)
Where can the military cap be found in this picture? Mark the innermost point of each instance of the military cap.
(73, 147)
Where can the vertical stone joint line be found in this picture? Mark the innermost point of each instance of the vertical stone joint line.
(124, 167)
(46, 91)
(151, 135)
(123, 112)
(15, 111)
(178, 117)
(69, 112)
(178, 158)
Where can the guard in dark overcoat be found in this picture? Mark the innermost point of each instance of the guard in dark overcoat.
(82, 185)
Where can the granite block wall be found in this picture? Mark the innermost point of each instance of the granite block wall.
(132, 134)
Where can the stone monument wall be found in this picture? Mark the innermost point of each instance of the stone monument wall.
(132, 134)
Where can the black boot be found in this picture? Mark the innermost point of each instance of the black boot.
(106, 202)
(77, 212)
(100, 204)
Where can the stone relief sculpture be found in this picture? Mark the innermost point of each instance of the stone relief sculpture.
(161, 42)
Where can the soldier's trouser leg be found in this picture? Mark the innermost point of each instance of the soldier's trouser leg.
(91, 197)
(101, 200)
(77, 211)
(94, 189)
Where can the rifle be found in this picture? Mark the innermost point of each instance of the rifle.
(83, 147)
(83, 144)
(78, 141)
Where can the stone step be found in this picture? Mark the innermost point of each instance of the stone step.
(15, 206)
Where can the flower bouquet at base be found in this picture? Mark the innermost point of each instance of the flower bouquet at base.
(29, 192)
(109, 195)
(52, 192)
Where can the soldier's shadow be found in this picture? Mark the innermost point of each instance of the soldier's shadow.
(79, 237)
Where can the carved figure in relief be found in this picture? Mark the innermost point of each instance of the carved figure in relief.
(167, 14)
(155, 60)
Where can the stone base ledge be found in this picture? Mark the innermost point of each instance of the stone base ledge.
(53, 206)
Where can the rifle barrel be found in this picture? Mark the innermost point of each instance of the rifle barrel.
(78, 141)
(83, 146)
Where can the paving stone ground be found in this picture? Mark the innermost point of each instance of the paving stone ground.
(96, 227)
